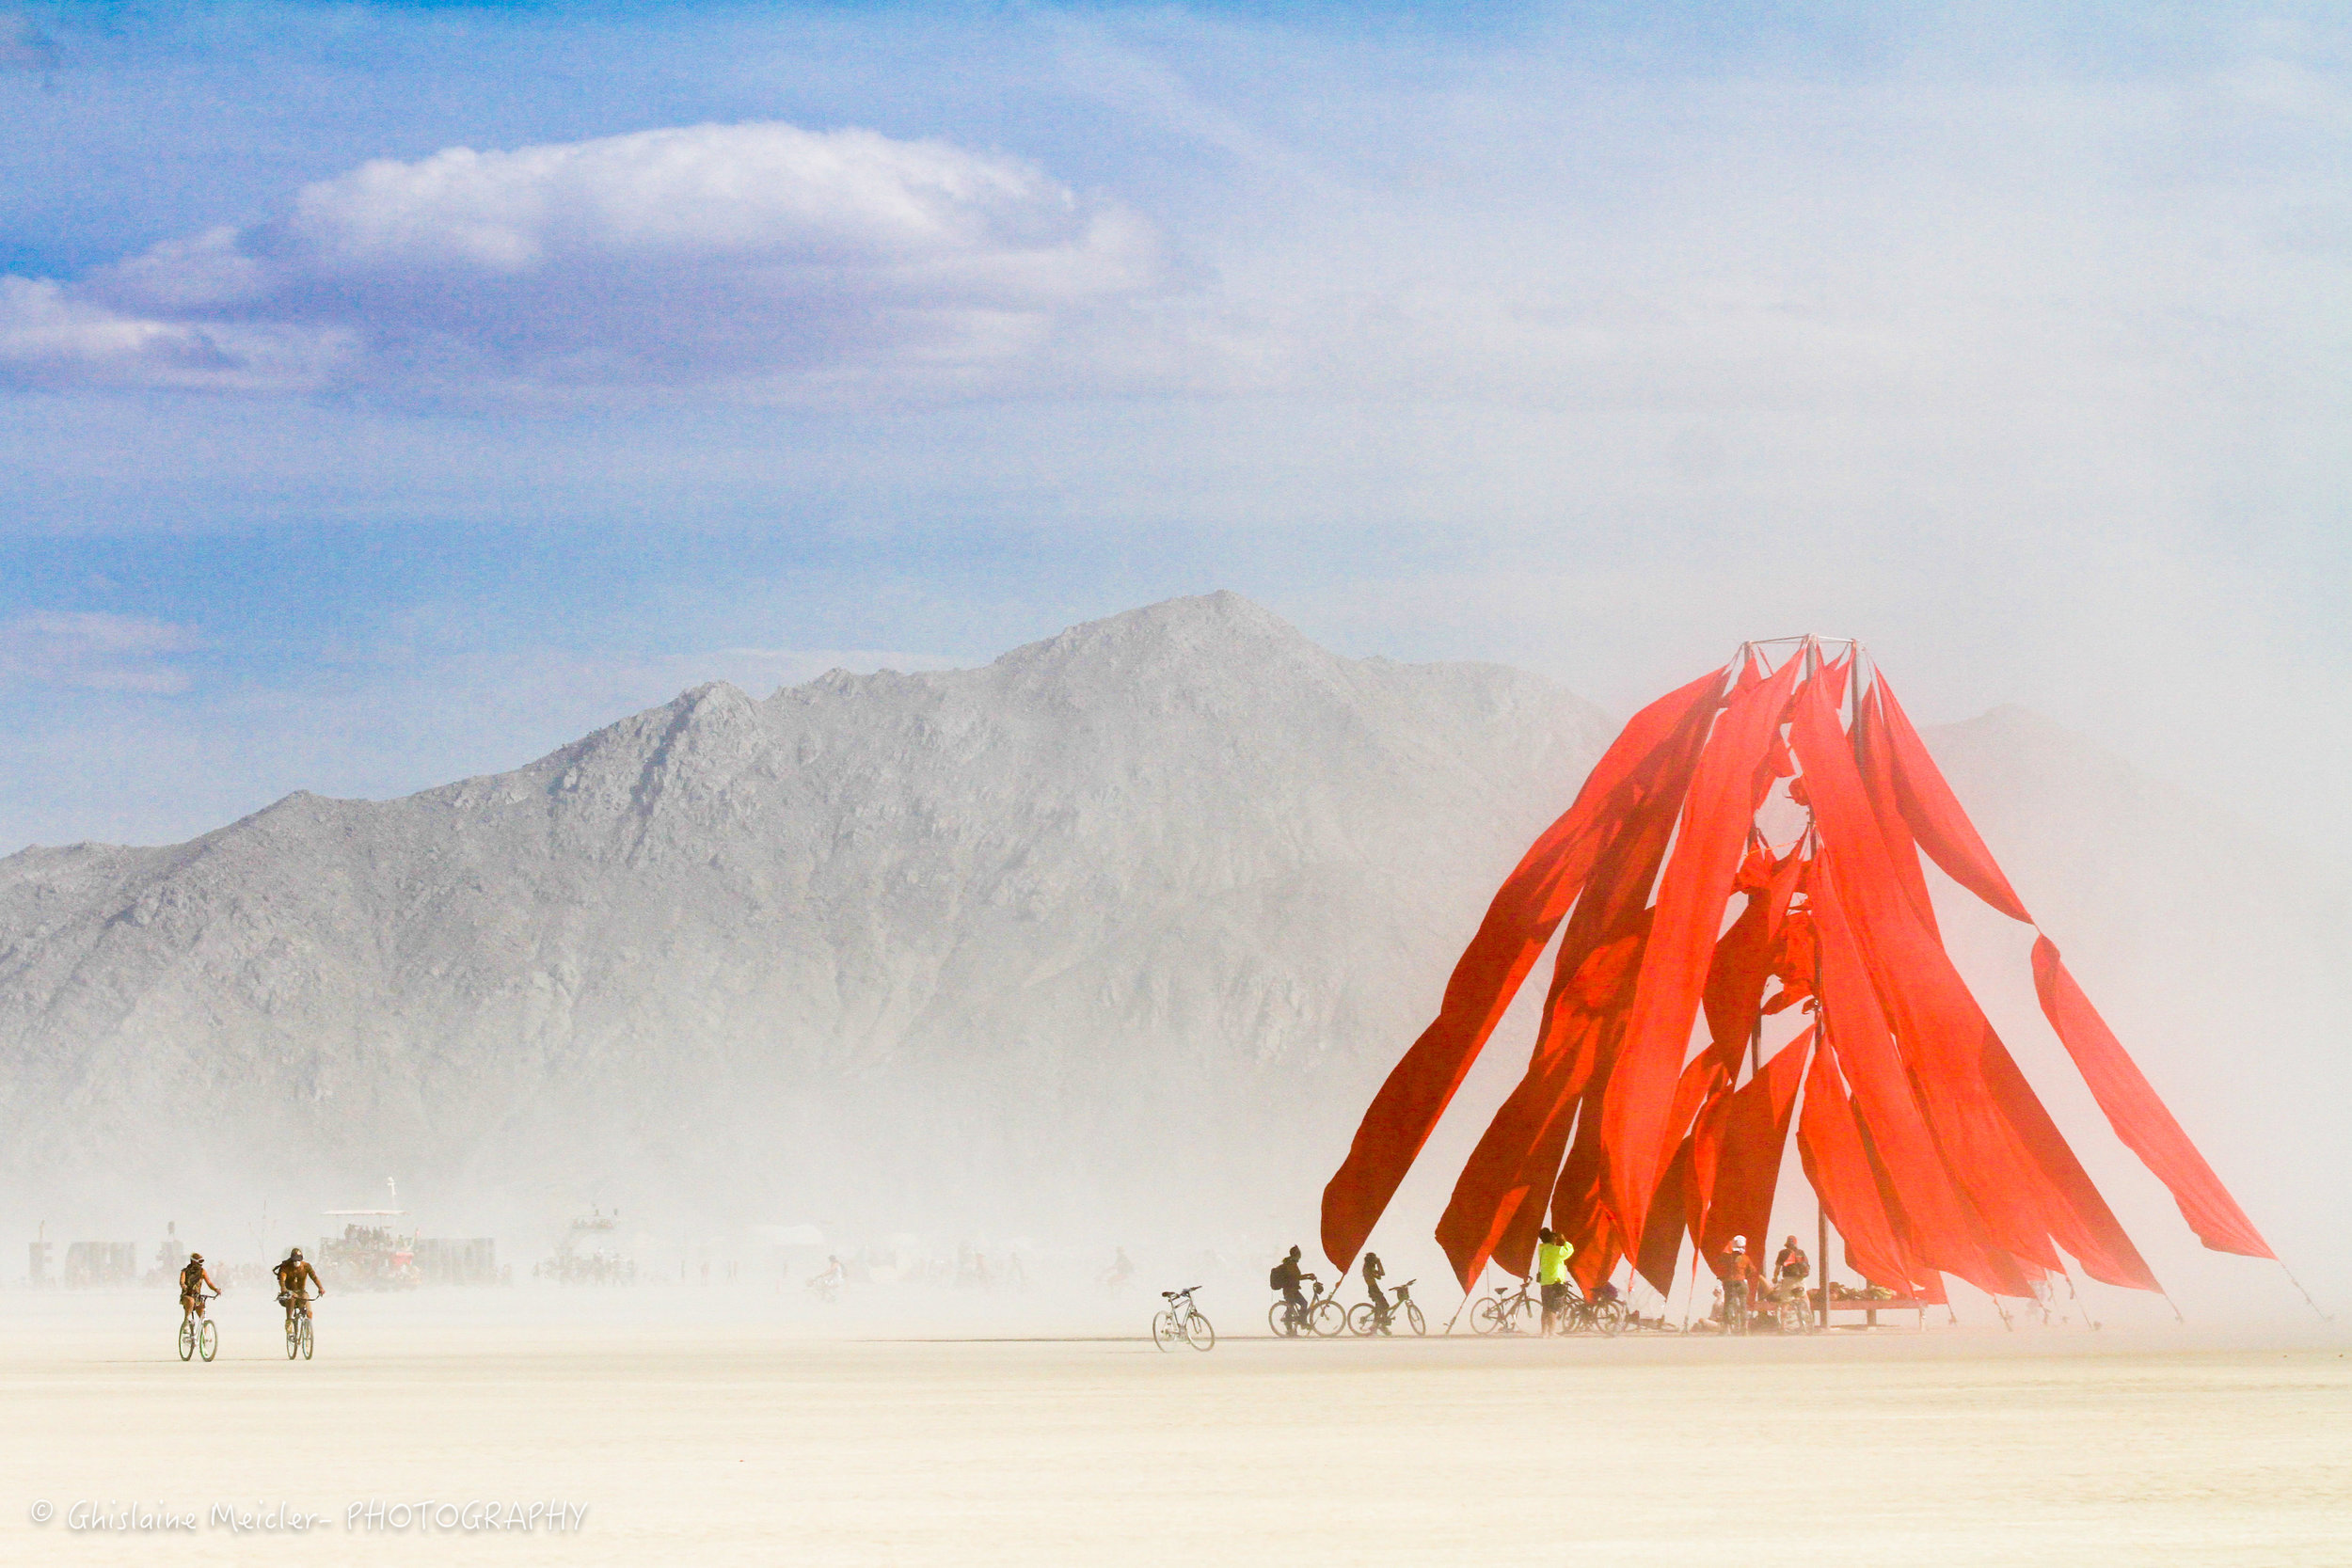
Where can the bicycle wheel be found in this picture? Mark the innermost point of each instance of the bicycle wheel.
(1487, 1317)
(1282, 1325)
(207, 1340)
(1360, 1319)
(1795, 1317)
(1166, 1330)
(187, 1337)
(1197, 1329)
(1412, 1316)
(1528, 1308)
(294, 1338)
(1328, 1318)
(305, 1338)
(1612, 1317)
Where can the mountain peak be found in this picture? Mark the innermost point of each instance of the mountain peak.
(1197, 628)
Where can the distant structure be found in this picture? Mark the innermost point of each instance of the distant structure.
(95, 1264)
(1792, 782)
(582, 1257)
(391, 1257)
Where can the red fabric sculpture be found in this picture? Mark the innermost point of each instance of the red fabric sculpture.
(1928, 1148)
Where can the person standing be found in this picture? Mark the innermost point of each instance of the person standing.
(1741, 1276)
(1552, 1252)
(1286, 1276)
(1374, 1272)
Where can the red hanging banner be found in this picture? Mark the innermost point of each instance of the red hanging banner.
(1924, 1141)
(1644, 759)
(2139, 1117)
(1697, 882)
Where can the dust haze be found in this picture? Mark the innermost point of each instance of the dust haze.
(980, 977)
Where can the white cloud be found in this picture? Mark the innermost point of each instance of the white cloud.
(753, 255)
(94, 653)
(52, 335)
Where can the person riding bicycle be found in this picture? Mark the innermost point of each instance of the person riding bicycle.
(291, 1275)
(1122, 1269)
(1285, 1277)
(1791, 1266)
(193, 1282)
(1552, 1252)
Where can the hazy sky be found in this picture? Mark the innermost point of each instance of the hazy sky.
(390, 393)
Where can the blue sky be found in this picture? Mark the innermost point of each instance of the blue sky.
(391, 393)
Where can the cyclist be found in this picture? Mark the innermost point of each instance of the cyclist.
(1374, 1272)
(1791, 1266)
(1285, 1277)
(1122, 1270)
(1552, 1251)
(291, 1275)
(193, 1282)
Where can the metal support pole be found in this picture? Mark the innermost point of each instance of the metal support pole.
(1821, 1204)
(1821, 1241)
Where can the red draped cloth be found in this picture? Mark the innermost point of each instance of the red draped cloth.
(1750, 1140)
(2024, 1184)
(2142, 1119)
(2133, 1107)
(1716, 820)
(1839, 1169)
(1519, 922)
(1924, 1141)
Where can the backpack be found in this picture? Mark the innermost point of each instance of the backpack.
(1274, 1279)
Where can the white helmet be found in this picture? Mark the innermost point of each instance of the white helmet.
(1738, 1243)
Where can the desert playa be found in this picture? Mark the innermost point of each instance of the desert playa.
(722, 1430)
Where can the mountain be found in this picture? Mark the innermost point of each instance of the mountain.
(1141, 907)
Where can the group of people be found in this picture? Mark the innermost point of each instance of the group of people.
(1290, 1277)
(294, 1275)
(1744, 1290)
(1743, 1281)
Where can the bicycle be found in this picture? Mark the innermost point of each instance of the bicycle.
(1181, 1320)
(1792, 1307)
(1322, 1315)
(1503, 1311)
(1366, 1319)
(1586, 1316)
(298, 1332)
(198, 1334)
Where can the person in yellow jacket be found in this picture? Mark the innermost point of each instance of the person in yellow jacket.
(1552, 1252)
